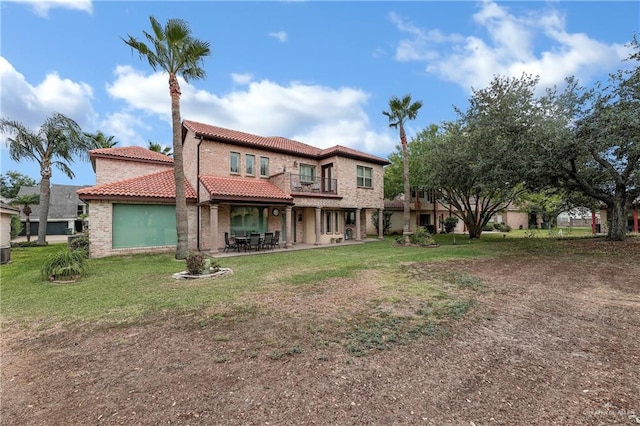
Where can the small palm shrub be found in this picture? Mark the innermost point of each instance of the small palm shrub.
(64, 265)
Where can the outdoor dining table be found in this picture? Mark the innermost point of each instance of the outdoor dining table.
(243, 240)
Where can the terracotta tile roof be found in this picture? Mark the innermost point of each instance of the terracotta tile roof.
(276, 143)
(225, 188)
(160, 185)
(136, 153)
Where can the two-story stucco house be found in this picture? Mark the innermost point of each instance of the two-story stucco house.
(235, 182)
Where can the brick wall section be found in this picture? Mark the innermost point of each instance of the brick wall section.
(100, 233)
(111, 170)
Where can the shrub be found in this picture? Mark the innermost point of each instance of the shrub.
(386, 221)
(64, 265)
(195, 263)
(488, 227)
(421, 237)
(16, 226)
(502, 227)
(450, 224)
(80, 242)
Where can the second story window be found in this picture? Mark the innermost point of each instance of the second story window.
(234, 163)
(307, 173)
(364, 177)
(264, 166)
(249, 164)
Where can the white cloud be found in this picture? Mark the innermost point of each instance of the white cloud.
(318, 115)
(42, 7)
(281, 36)
(126, 128)
(32, 104)
(243, 79)
(508, 49)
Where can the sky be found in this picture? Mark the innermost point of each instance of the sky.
(320, 72)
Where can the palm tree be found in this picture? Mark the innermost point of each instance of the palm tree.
(401, 110)
(56, 143)
(157, 147)
(173, 50)
(100, 140)
(25, 202)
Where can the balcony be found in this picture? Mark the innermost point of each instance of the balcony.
(302, 183)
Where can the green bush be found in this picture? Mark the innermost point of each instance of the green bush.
(80, 242)
(450, 224)
(16, 226)
(502, 227)
(421, 237)
(64, 265)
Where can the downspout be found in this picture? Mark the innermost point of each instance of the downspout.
(198, 193)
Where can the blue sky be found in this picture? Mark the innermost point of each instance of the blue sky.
(314, 71)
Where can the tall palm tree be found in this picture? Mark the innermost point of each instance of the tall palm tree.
(58, 141)
(172, 49)
(157, 147)
(25, 202)
(100, 140)
(401, 110)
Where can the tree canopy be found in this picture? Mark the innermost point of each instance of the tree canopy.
(11, 181)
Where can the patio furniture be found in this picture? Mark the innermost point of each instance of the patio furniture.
(253, 243)
(228, 244)
(276, 239)
(267, 241)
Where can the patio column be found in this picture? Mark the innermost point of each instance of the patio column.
(358, 212)
(213, 220)
(635, 220)
(288, 226)
(318, 222)
(380, 224)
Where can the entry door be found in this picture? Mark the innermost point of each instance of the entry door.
(327, 176)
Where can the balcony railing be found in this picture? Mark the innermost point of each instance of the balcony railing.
(302, 183)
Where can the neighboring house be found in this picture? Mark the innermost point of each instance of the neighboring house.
(236, 182)
(66, 210)
(427, 213)
(6, 213)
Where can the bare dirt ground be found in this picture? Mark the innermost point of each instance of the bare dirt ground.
(550, 339)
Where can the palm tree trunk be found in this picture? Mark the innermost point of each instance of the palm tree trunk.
(182, 218)
(45, 196)
(28, 229)
(406, 217)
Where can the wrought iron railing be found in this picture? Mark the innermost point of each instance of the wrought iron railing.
(302, 183)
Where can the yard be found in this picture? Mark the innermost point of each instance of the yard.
(504, 330)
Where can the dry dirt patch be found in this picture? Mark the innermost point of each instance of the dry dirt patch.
(550, 340)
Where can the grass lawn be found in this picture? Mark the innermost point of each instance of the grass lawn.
(129, 289)
(125, 289)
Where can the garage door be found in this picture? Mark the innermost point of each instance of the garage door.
(143, 225)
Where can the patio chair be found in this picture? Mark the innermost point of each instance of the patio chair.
(276, 239)
(228, 244)
(254, 242)
(268, 240)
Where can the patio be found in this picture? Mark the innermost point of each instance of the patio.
(295, 246)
